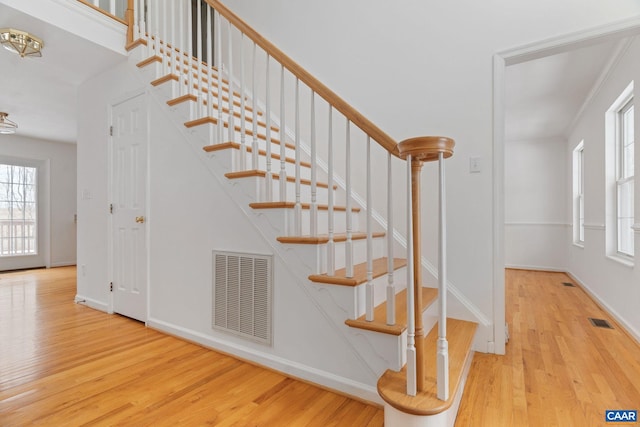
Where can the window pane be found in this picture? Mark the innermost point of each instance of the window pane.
(625, 217)
(18, 210)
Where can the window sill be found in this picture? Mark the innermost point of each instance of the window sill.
(622, 260)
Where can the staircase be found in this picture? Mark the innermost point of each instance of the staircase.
(274, 133)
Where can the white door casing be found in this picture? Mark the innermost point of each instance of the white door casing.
(128, 207)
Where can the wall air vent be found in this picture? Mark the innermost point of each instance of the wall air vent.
(242, 289)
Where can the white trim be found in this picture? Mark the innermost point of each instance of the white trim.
(621, 259)
(63, 264)
(554, 45)
(606, 307)
(92, 303)
(636, 227)
(288, 367)
(534, 268)
(537, 224)
(594, 226)
(498, 206)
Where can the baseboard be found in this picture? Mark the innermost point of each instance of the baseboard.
(63, 264)
(622, 323)
(92, 303)
(359, 391)
(535, 268)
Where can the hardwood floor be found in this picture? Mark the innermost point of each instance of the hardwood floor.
(559, 370)
(64, 364)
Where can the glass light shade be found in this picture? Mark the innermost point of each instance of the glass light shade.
(21, 42)
(6, 125)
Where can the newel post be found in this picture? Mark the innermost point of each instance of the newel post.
(129, 17)
(421, 149)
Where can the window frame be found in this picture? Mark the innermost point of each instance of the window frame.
(578, 194)
(624, 181)
(33, 237)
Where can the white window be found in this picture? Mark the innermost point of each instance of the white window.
(625, 178)
(18, 210)
(578, 194)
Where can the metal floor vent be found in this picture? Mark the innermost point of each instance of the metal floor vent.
(242, 289)
(569, 284)
(600, 323)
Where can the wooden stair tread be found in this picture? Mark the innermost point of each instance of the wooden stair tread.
(359, 273)
(234, 145)
(291, 205)
(324, 238)
(392, 385)
(214, 121)
(189, 97)
(262, 174)
(379, 322)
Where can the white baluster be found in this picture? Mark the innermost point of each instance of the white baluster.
(298, 207)
(112, 7)
(156, 31)
(209, 70)
(151, 11)
(171, 43)
(96, 3)
(142, 19)
(314, 203)
(254, 106)
(181, 44)
(189, 38)
(269, 180)
(331, 248)
(243, 112)
(443, 345)
(200, 53)
(412, 385)
(232, 122)
(349, 242)
(283, 148)
(369, 301)
(218, 52)
(136, 21)
(162, 35)
(391, 290)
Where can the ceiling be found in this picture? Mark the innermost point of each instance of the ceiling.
(40, 93)
(543, 96)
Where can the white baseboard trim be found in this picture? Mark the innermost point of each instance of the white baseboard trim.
(89, 302)
(534, 268)
(63, 264)
(290, 368)
(629, 329)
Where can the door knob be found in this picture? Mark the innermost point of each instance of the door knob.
(140, 219)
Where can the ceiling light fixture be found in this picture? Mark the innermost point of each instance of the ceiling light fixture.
(21, 42)
(6, 125)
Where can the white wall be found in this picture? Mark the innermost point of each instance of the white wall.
(417, 68)
(536, 224)
(612, 283)
(61, 160)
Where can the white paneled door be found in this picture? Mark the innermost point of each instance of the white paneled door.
(128, 208)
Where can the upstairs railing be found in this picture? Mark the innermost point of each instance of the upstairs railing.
(249, 79)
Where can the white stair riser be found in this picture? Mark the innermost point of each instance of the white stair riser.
(284, 221)
(255, 188)
(315, 256)
(231, 161)
(188, 110)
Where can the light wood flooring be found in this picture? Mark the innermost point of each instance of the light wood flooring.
(559, 370)
(63, 364)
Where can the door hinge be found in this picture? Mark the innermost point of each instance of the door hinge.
(110, 130)
(110, 286)
(110, 208)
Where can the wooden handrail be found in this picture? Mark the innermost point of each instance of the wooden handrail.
(377, 134)
(104, 12)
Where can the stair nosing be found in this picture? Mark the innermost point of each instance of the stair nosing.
(339, 278)
(291, 205)
(262, 152)
(324, 238)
